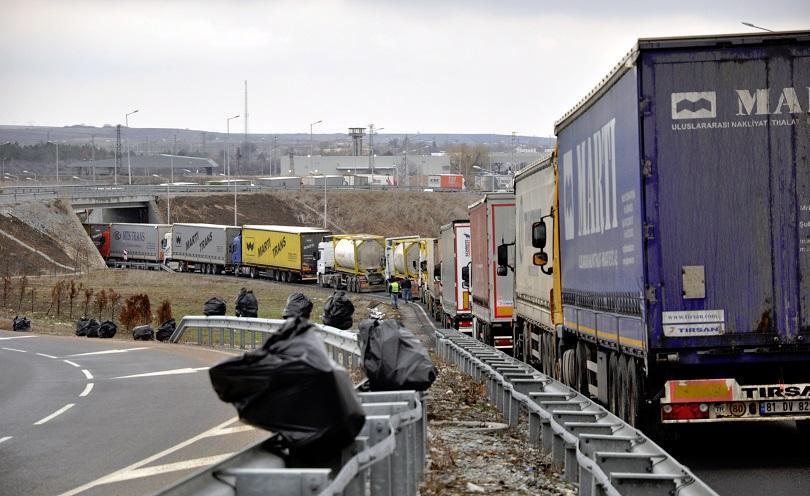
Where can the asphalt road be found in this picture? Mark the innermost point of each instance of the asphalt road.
(127, 433)
(746, 459)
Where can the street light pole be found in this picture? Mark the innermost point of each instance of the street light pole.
(129, 165)
(57, 163)
(310, 142)
(228, 161)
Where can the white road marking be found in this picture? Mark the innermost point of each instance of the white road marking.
(87, 389)
(15, 349)
(87, 373)
(109, 352)
(56, 413)
(169, 467)
(4, 439)
(232, 430)
(186, 370)
(147, 460)
(71, 363)
(46, 356)
(16, 337)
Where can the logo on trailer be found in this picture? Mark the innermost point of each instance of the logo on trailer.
(178, 240)
(249, 245)
(694, 105)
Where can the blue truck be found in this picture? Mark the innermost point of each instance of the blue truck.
(684, 232)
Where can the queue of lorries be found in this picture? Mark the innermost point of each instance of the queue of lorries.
(658, 261)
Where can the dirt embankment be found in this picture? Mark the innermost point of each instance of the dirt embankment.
(44, 238)
(387, 213)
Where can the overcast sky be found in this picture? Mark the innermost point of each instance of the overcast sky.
(463, 66)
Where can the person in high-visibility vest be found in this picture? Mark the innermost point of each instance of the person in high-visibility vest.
(393, 288)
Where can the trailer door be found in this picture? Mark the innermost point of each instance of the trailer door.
(728, 197)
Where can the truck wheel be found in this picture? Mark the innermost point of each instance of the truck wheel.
(569, 369)
(253, 272)
(613, 382)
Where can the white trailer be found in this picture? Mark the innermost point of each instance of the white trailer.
(207, 248)
(352, 262)
(455, 246)
(137, 242)
(492, 229)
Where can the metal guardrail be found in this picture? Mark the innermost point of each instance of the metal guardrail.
(605, 455)
(12, 194)
(387, 457)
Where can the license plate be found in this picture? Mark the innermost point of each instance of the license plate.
(784, 407)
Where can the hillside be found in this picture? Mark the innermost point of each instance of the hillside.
(388, 213)
(44, 238)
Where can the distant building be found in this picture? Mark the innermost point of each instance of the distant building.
(145, 165)
(302, 165)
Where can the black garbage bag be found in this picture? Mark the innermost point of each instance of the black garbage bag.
(393, 357)
(21, 324)
(83, 325)
(165, 330)
(214, 306)
(291, 387)
(107, 329)
(297, 305)
(338, 311)
(143, 333)
(91, 329)
(246, 304)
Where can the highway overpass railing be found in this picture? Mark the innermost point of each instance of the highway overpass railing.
(593, 447)
(387, 457)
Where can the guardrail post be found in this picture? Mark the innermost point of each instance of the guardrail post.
(557, 451)
(546, 433)
(381, 470)
(571, 465)
(534, 429)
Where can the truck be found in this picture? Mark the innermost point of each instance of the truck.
(492, 228)
(402, 260)
(282, 253)
(140, 242)
(353, 262)
(454, 248)
(100, 235)
(683, 228)
(428, 247)
(207, 248)
(538, 305)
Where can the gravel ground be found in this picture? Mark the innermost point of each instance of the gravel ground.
(471, 458)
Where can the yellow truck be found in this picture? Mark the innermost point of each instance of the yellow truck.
(282, 253)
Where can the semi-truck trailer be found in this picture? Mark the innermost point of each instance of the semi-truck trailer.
(454, 246)
(683, 224)
(492, 228)
(538, 304)
(353, 262)
(282, 253)
(402, 260)
(141, 242)
(427, 260)
(207, 248)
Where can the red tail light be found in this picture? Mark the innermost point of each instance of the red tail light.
(465, 323)
(684, 411)
(499, 342)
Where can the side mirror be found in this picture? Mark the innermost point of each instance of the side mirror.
(414, 264)
(540, 259)
(503, 257)
(437, 271)
(465, 274)
(423, 266)
(539, 235)
(316, 255)
(501, 270)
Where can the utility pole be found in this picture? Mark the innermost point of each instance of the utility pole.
(93, 154)
(245, 140)
(228, 161)
(129, 165)
(371, 155)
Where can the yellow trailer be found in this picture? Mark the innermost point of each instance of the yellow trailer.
(283, 253)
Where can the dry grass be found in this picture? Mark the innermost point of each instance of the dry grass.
(186, 292)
